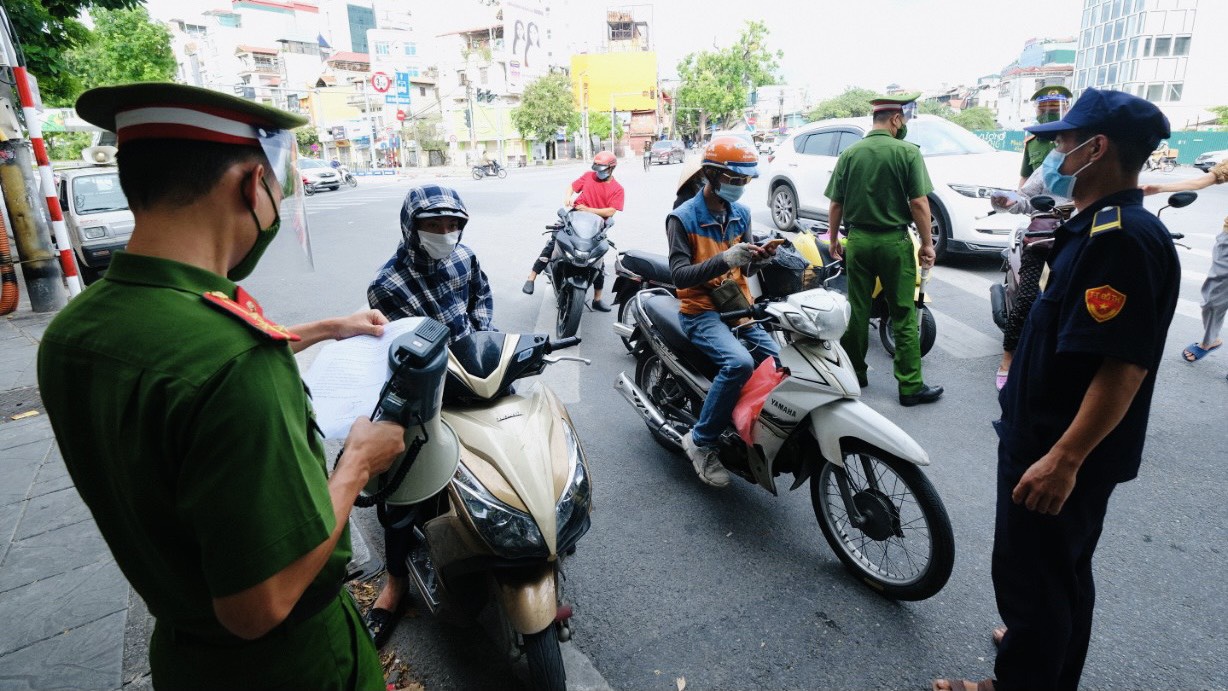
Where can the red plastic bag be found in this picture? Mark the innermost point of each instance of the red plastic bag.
(754, 394)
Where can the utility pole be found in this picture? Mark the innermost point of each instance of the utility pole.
(473, 135)
(586, 148)
(780, 122)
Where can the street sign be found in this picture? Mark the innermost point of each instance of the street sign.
(381, 82)
(452, 138)
(391, 100)
(403, 85)
(400, 114)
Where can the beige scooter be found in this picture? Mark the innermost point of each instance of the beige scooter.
(500, 481)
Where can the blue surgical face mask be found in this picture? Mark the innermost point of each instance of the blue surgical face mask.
(602, 174)
(1051, 173)
(730, 193)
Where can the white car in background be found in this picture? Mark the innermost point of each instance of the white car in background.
(963, 168)
(1205, 162)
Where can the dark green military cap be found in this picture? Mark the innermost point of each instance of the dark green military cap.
(162, 110)
(1053, 92)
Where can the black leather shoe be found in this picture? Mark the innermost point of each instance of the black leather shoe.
(927, 394)
(600, 306)
(527, 289)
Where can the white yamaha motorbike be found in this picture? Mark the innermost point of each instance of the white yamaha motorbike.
(876, 508)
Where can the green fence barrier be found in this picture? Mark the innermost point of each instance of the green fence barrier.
(1189, 145)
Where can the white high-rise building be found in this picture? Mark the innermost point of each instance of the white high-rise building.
(1167, 51)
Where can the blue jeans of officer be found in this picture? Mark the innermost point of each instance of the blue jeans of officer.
(717, 341)
(1042, 577)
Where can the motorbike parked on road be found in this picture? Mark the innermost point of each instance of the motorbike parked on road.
(490, 170)
(1023, 260)
(499, 481)
(877, 510)
(347, 177)
(580, 246)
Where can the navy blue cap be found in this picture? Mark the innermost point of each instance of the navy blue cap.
(1114, 113)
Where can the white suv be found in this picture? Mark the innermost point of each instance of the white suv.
(963, 168)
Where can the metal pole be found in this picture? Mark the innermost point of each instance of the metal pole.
(611, 123)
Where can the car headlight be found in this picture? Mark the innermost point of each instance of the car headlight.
(94, 232)
(975, 191)
(510, 533)
(571, 514)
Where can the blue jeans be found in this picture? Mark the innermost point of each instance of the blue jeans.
(716, 340)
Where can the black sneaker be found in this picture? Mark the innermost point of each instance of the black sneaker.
(600, 306)
(527, 288)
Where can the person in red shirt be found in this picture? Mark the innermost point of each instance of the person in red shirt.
(596, 192)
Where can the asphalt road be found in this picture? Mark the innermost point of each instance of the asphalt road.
(735, 588)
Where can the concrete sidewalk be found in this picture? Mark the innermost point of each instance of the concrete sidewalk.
(63, 601)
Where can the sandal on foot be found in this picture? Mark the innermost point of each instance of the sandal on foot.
(962, 685)
(381, 623)
(998, 634)
(1195, 352)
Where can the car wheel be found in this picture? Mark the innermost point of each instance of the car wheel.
(940, 230)
(784, 207)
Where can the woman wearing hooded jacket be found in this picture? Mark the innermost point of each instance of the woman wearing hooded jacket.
(430, 275)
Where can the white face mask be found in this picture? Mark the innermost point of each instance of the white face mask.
(439, 245)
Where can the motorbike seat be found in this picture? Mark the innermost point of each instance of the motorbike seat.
(654, 267)
(663, 311)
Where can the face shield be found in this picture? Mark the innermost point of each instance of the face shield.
(910, 110)
(291, 248)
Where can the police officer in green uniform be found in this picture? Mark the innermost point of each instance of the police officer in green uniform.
(878, 187)
(181, 417)
(1051, 103)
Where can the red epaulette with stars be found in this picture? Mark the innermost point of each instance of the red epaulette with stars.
(247, 310)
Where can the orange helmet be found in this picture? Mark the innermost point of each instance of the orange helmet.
(732, 154)
(605, 158)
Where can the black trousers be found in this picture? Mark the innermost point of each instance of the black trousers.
(398, 522)
(540, 264)
(1042, 577)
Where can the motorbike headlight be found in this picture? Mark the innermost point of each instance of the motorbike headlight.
(510, 533)
(94, 232)
(803, 324)
(975, 191)
(580, 256)
(571, 514)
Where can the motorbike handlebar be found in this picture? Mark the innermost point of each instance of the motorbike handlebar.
(561, 343)
(1038, 234)
(737, 314)
(1177, 236)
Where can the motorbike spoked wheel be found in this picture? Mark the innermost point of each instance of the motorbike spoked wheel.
(662, 389)
(571, 306)
(478, 174)
(502, 173)
(352, 182)
(905, 549)
(627, 316)
(927, 327)
(546, 671)
(309, 190)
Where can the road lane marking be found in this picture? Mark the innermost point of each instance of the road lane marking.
(960, 340)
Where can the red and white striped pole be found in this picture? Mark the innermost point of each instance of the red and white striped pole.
(68, 263)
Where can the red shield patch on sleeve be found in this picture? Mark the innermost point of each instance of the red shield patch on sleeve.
(1104, 303)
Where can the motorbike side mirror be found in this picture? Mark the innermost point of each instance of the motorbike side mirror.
(1043, 202)
(1180, 199)
(609, 223)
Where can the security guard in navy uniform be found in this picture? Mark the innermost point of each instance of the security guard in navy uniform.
(878, 187)
(180, 414)
(1051, 104)
(1075, 407)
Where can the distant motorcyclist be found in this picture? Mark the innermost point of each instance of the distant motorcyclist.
(711, 242)
(596, 192)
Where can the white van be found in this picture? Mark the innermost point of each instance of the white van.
(96, 213)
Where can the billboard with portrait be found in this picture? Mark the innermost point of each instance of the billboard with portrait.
(524, 35)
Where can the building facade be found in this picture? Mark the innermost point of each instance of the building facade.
(1042, 62)
(1167, 51)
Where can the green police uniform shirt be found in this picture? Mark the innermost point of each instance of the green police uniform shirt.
(189, 434)
(1035, 150)
(875, 179)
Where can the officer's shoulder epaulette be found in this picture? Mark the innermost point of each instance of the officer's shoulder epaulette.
(1028, 138)
(248, 311)
(1106, 220)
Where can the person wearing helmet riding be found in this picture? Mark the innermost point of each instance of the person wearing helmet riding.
(880, 185)
(430, 275)
(1051, 102)
(596, 192)
(710, 243)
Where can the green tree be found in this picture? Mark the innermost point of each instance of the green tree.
(47, 30)
(977, 118)
(599, 125)
(306, 137)
(853, 103)
(942, 110)
(126, 47)
(718, 82)
(1221, 112)
(547, 105)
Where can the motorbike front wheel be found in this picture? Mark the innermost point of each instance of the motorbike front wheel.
(546, 671)
(352, 181)
(502, 173)
(926, 325)
(571, 306)
(905, 548)
(478, 174)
